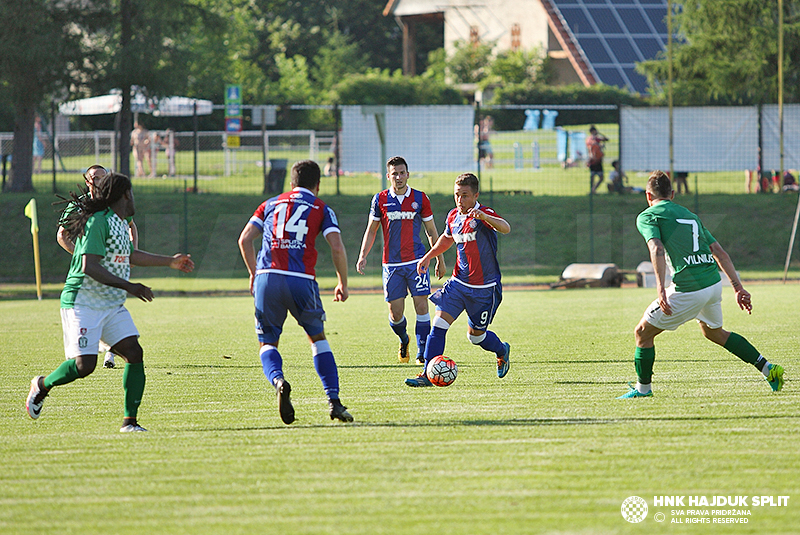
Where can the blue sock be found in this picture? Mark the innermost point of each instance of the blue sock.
(435, 344)
(325, 365)
(423, 329)
(400, 329)
(272, 363)
(492, 343)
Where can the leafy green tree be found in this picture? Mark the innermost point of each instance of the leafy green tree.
(339, 58)
(470, 62)
(45, 46)
(381, 87)
(518, 66)
(726, 53)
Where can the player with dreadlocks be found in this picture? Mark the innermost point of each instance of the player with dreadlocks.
(62, 237)
(92, 302)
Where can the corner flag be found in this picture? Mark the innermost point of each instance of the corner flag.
(30, 211)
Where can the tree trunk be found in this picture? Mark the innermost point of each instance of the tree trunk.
(125, 132)
(125, 126)
(22, 153)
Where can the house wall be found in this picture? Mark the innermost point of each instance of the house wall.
(494, 20)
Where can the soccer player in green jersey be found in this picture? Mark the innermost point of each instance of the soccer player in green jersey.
(676, 236)
(92, 302)
(62, 237)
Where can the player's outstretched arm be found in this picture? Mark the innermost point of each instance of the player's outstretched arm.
(726, 265)
(366, 244)
(339, 255)
(179, 261)
(93, 269)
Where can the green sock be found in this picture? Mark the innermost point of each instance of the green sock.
(644, 359)
(743, 349)
(64, 374)
(133, 383)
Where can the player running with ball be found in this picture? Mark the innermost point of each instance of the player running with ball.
(475, 285)
(676, 235)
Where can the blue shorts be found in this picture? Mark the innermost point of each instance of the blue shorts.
(399, 280)
(275, 295)
(480, 303)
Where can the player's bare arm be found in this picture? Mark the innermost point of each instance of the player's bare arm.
(433, 237)
(442, 245)
(63, 240)
(726, 265)
(249, 234)
(496, 222)
(658, 257)
(181, 262)
(366, 244)
(339, 256)
(93, 269)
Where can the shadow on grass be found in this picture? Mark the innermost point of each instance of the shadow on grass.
(513, 422)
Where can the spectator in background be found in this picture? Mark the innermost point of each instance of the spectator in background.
(38, 146)
(140, 141)
(484, 129)
(681, 182)
(594, 154)
(616, 179)
(328, 170)
(789, 182)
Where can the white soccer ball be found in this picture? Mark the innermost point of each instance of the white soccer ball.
(442, 371)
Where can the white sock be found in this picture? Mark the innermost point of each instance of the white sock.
(643, 389)
(765, 368)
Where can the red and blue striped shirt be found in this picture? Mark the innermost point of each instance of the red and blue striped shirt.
(401, 219)
(476, 248)
(290, 224)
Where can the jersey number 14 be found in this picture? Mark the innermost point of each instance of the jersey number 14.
(295, 224)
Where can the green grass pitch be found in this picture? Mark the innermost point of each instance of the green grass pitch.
(546, 450)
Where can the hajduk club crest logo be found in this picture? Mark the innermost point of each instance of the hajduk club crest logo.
(634, 509)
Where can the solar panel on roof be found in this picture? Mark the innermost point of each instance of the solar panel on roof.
(616, 34)
(604, 18)
(634, 21)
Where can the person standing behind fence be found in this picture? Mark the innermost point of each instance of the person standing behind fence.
(140, 141)
(594, 155)
(38, 146)
(484, 129)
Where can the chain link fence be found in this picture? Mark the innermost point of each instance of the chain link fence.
(521, 149)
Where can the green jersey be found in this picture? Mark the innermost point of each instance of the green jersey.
(686, 241)
(105, 235)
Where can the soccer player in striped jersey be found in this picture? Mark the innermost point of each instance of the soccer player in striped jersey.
(402, 212)
(283, 280)
(475, 285)
(93, 299)
(676, 237)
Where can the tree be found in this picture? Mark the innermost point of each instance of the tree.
(45, 46)
(726, 53)
(155, 52)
